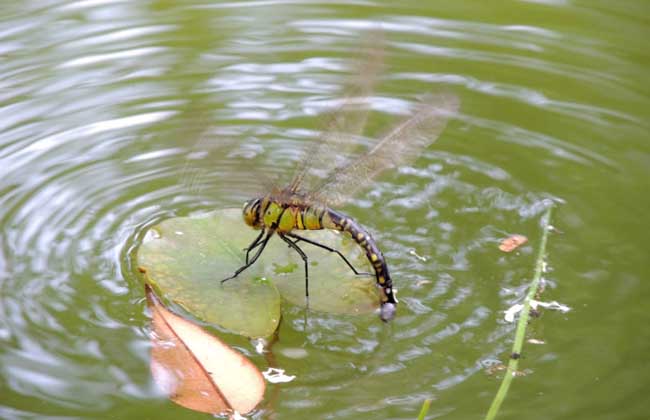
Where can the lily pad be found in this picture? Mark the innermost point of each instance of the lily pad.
(187, 257)
(333, 287)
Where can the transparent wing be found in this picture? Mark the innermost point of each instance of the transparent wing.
(218, 156)
(400, 146)
(344, 123)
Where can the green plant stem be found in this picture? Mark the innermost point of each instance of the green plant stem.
(523, 322)
(424, 409)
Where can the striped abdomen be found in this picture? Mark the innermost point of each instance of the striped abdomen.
(338, 221)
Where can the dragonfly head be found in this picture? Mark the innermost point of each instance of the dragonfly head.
(251, 212)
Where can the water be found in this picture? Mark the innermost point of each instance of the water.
(116, 115)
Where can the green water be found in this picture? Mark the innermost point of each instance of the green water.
(115, 115)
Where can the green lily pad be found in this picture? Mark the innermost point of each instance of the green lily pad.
(333, 286)
(187, 257)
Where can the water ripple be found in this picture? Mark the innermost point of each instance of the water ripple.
(123, 114)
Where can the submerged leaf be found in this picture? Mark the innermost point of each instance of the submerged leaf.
(196, 369)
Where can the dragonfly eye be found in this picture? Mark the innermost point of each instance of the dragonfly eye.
(251, 210)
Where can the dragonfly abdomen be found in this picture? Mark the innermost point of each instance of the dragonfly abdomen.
(339, 221)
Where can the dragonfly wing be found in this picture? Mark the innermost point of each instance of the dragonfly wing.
(400, 146)
(215, 157)
(346, 121)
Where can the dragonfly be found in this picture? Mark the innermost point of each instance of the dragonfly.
(309, 201)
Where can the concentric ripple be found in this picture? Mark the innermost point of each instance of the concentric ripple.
(116, 115)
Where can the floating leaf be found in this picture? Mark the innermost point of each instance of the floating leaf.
(333, 287)
(197, 370)
(186, 258)
(512, 242)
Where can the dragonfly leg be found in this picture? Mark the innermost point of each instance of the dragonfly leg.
(304, 259)
(263, 243)
(254, 245)
(309, 241)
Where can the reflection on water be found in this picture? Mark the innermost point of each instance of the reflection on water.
(115, 115)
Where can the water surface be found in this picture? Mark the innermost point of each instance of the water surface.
(116, 115)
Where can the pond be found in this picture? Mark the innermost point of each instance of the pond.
(117, 115)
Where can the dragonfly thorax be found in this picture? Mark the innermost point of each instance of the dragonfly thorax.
(286, 213)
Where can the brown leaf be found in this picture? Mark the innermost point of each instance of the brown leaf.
(196, 369)
(512, 242)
